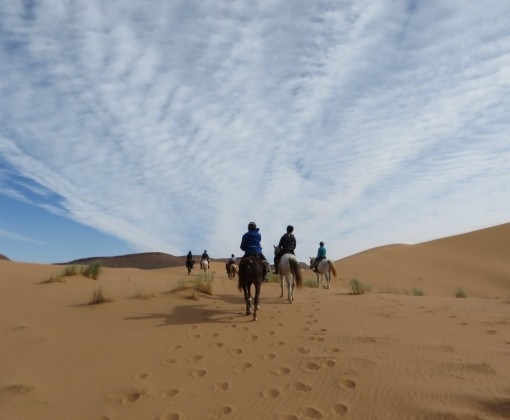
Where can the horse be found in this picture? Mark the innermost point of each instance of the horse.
(290, 269)
(251, 272)
(325, 268)
(189, 265)
(204, 266)
(233, 270)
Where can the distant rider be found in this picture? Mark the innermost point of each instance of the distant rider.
(230, 261)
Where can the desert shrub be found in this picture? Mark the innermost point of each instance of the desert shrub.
(71, 270)
(358, 288)
(459, 293)
(144, 295)
(312, 283)
(54, 279)
(99, 296)
(390, 290)
(92, 270)
(203, 285)
(417, 292)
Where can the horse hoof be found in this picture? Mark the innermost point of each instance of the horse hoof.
(255, 318)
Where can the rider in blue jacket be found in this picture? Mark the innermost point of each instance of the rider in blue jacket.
(321, 255)
(250, 244)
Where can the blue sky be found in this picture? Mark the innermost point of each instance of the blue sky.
(136, 126)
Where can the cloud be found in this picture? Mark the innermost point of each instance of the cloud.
(172, 125)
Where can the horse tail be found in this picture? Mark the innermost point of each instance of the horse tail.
(332, 267)
(296, 272)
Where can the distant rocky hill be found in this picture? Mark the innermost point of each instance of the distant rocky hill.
(145, 261)
(3, 257)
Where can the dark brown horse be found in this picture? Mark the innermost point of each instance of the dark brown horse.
(251, 272)
(189, 265)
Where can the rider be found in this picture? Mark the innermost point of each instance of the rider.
(230, 261)
(189, 257)
(250, 244)
(321, 255)
(287, 245)
(205, 256)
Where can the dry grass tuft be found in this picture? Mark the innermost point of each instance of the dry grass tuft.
(99, 296)
(358, 288)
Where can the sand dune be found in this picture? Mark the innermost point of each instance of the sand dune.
(156, 354)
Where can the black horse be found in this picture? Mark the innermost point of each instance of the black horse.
(251, 272)
(189, 265)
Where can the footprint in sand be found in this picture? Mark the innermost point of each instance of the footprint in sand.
(303, 350)
(334, 350)
(193, 336)
(199, 373)
(300, 387)
(279, 343)
(310, 413)
(132, 397)
(193, 327)
(271, 393)
(169, 361)
(220, 412)
(169, 393)
(215, 334)
(310, 367)
(251, 338)
(339, 410)
(243, 367)
(178, 347)
(281, 371)
(218, 345)
(170, 416)
(346, 383)
(328, 363)
(288, 417)
(142, 376)
(195, 358)
(236, 352)
(221, 387)
(269, 356)
(270, 332)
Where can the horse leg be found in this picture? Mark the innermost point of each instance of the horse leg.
(290, 298)
(256, 300)
(247, 299)
(281, 283)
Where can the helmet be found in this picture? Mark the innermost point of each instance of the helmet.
(321, 244)
(290, 229)
(232, 255)
(252, 226)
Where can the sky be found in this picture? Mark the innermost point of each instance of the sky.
(152, 125)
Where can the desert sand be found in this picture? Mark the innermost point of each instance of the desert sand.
(408, 349)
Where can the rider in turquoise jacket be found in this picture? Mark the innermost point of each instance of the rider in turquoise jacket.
(321, 255)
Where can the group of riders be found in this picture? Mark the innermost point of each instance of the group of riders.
(250, 244)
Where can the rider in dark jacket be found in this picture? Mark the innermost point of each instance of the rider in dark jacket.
(250, 244)
(287, 245)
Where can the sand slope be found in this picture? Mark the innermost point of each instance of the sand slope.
(151, 354)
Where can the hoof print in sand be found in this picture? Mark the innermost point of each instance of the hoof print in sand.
(271, 393)
(169, 393)
(220, 412)
(339, 410)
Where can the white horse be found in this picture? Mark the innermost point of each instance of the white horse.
(325, 269)
(233, 270)
(204, 265)
(290, 269)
